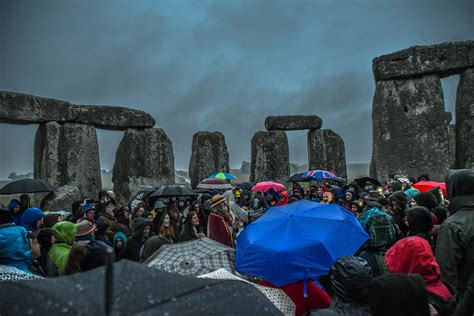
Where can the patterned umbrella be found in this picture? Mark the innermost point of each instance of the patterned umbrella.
(276, 296)
(194, 257)
(320, 174)
(214, 184)
(222, 175)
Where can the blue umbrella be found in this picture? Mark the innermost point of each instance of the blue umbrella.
(298, 241)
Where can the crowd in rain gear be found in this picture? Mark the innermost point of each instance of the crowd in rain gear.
(418, 260)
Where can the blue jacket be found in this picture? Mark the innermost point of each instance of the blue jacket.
(30, 218)
(16, 218)
(15, 247)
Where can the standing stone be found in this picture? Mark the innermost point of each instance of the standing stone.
(144, 158)
(465, 120)
(326, 151)
(209, 155)
(68, 154)
(270, 156)
(293, 122)
(410, 129)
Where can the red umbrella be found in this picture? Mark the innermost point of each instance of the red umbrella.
(425, 186)
(265, 186)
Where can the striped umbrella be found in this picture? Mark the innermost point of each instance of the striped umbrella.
(222, 175)
(320, 174)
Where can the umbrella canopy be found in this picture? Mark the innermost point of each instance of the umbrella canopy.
(214, 184)
(298, 241)
(137, 290)
(222, 175)
(276, 296)
(425, 186)
(8, 273)
(299, 177)
(194, 257)
(173, 190)
(246, 186)
(26, 186)
(362, 182)
(320, 174)
(265, 186)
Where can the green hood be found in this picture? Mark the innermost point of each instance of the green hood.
(64, 232)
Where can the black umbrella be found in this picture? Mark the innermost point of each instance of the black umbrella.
(26, 186)
(174, 190)
(298, 177)
(246, 186)
(362, 182)
(137, 290)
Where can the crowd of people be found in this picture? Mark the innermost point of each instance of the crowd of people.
(419, 259)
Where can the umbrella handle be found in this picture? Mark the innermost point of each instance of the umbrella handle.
(108, 289)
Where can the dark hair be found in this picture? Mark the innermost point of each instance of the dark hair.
(94, 256)
(75, 257)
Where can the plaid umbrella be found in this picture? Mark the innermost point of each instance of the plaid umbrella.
(194, 257)
(320, 174)
(222, 175)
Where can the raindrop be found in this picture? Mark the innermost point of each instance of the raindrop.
(30, 311)
(207, 287)
(70, 303)
(166, 314)
(65, 310)
(174, 299)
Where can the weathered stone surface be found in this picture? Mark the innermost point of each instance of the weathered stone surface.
(410, 129)
(245, 167)
(62, 199)
(442, 59)
(19, 108)
(452, 146)
(292, 122)
(209, 155)
(270, 156)
(144, 158)
(465, 120)
(326, 151)
(112, 117)
(68, 154)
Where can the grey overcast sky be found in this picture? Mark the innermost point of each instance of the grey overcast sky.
(215, 65)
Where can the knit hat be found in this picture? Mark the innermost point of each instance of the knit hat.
(87, 207)
(84, 228)
(426, 199)
(159, 204)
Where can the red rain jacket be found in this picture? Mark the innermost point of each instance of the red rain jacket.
(414, 255)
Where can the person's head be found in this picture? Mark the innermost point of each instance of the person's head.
(328, 197)
(320, 191)
(32, 219)
(5, 216)
(166, 220)
(64, 232)
(182, 204)
(138, 226)
(120, 240)
(45, 239)
(413, 255)
(15, 248)
(350, 276)
(89, 212)
(426, 199)
(94, 256)
(160, 206)
(356, 207)
(138, 210)
(419, 220)
(85, 229)
(397, 294)
(34, 244)
(111, 194)
(109, 208)
(75, 256)
(398, 200)
(152, 245)
(25, 201)
(192, 219)
(412, 203)
(14, 206)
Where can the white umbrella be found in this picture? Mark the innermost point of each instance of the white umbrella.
(276, 296)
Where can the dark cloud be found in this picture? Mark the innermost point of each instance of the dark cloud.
(214, 65)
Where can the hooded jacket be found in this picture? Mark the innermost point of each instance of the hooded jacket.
(414, 255)
(136, 242)
(30, 218)
(349, 279)
(420, 223)
(16, 217)
(118, 252)
(64, 234)
(15, 247)
(426, 199)
(455, 242)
